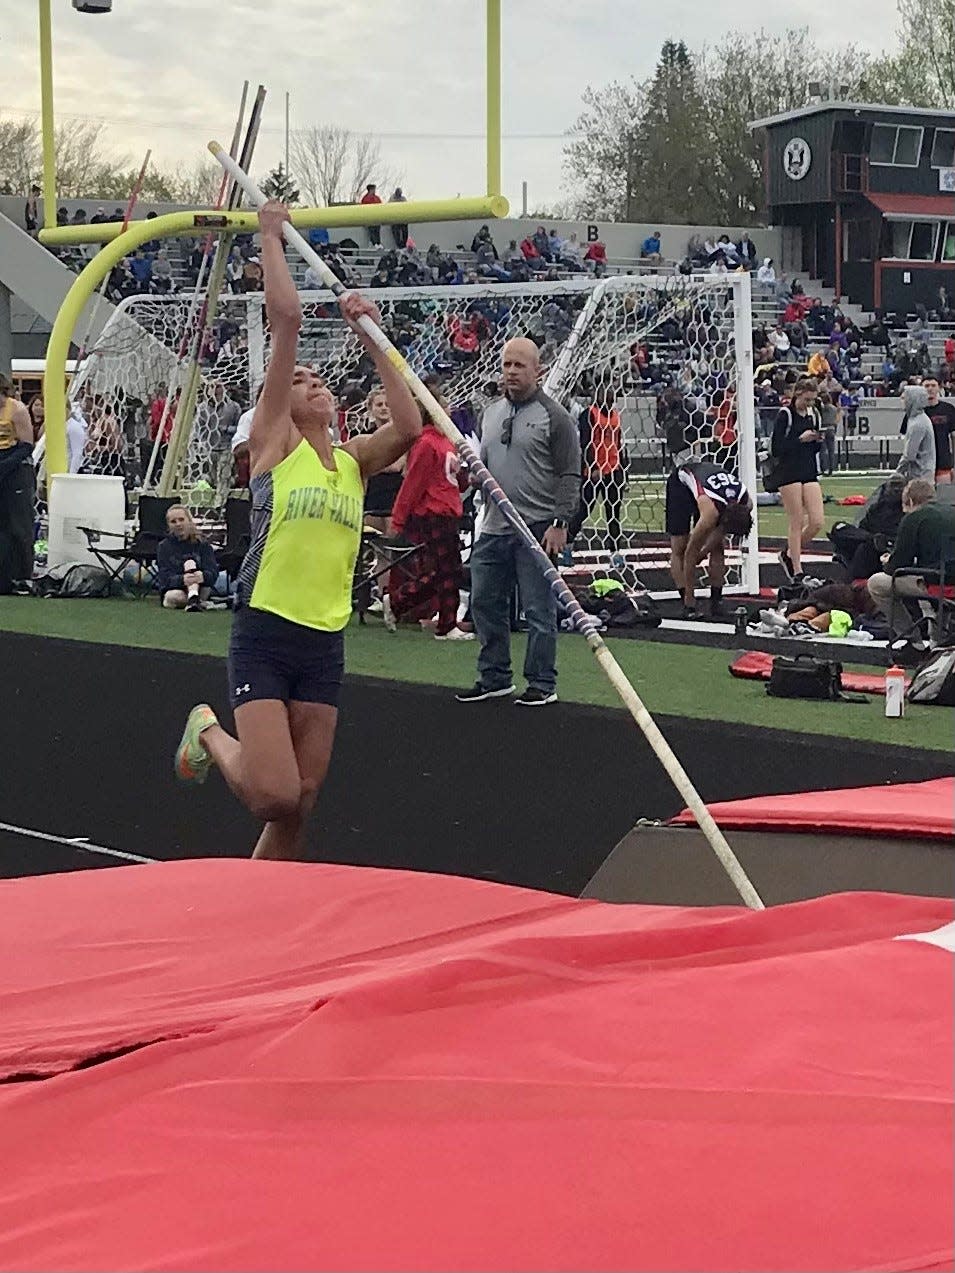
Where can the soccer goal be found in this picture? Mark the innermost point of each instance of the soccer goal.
(655, 369)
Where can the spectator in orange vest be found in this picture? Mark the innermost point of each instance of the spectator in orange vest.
(724, 421)
(604, 467)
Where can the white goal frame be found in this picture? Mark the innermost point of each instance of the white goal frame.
(586, 328)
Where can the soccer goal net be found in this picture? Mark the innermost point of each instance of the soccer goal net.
(655, 369)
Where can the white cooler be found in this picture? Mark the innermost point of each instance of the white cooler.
(79, 499)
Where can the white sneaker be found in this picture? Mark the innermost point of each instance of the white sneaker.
(773, 619)
(388, 615)
(455, 635)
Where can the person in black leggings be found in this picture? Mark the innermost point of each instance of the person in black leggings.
(797, 436)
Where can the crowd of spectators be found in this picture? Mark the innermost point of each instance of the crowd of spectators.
(540, 257)
(685, 365)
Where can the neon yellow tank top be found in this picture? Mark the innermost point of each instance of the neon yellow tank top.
(306, 532)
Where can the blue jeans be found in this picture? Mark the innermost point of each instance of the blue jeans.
(498, 562)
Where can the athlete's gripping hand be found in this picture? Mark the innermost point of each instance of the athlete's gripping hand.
(355, 306)
(272, 216)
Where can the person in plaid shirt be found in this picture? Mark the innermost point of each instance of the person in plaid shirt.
(428, 511)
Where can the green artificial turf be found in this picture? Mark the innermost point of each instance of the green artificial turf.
(680, 680)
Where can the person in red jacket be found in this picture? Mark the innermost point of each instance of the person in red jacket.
(595, 258)
(428, 512)
(371, 195)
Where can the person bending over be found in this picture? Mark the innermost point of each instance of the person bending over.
(186, 565)
(705, 505)
(294, 591)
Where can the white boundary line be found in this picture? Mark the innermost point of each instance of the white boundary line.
(77, 843)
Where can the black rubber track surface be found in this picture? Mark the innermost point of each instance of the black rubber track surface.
(532, 797)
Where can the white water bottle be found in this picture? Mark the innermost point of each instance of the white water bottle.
(894, 692)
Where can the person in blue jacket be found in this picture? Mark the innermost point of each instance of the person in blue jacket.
(186, 565)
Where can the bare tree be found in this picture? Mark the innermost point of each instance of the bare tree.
(604, 156)
(366, 165)
(561, 210)
(679, 146)
(196, 184)
(319, 155)
(751, 76)
(81, 158)
(19, 155)
(334, 165)
(922, 72)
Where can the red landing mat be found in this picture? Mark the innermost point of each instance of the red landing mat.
(924, 810)
(335, 1068)
(756, 665)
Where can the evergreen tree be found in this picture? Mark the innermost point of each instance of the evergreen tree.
(673, 142)
(280, 185)
(678, 148)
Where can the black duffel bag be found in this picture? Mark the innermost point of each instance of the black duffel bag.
(805, 677)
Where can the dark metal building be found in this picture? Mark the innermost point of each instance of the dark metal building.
(870, 193)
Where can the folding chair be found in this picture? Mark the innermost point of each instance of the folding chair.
(940, 596)
(138, 548)
(377, 556)
(238, 535)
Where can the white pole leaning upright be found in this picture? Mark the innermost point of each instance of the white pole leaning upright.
(746, 420)
(187, 341)
(582, 621)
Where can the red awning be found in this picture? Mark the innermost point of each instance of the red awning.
(915, 205)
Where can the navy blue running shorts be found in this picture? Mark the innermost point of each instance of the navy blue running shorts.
(271, 657)
(681, 507)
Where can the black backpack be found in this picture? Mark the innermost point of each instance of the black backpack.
(805, 677)
(624, 608)
(73, 579)
(934, 681)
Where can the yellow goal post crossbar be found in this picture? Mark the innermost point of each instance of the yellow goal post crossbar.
(119, 243)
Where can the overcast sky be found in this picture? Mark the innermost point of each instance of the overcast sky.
(168, 75)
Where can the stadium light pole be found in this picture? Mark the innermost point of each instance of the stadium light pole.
(493, 123)
(46, 107)
(47, 126)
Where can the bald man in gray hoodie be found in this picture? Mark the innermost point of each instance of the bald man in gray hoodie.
(918, 455)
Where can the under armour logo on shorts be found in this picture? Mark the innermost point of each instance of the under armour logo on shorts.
(242, 689)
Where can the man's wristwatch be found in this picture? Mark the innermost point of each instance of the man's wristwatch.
(559, 523)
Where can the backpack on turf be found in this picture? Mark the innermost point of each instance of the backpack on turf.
(617, 605)
(73, 579)
(934, 681)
